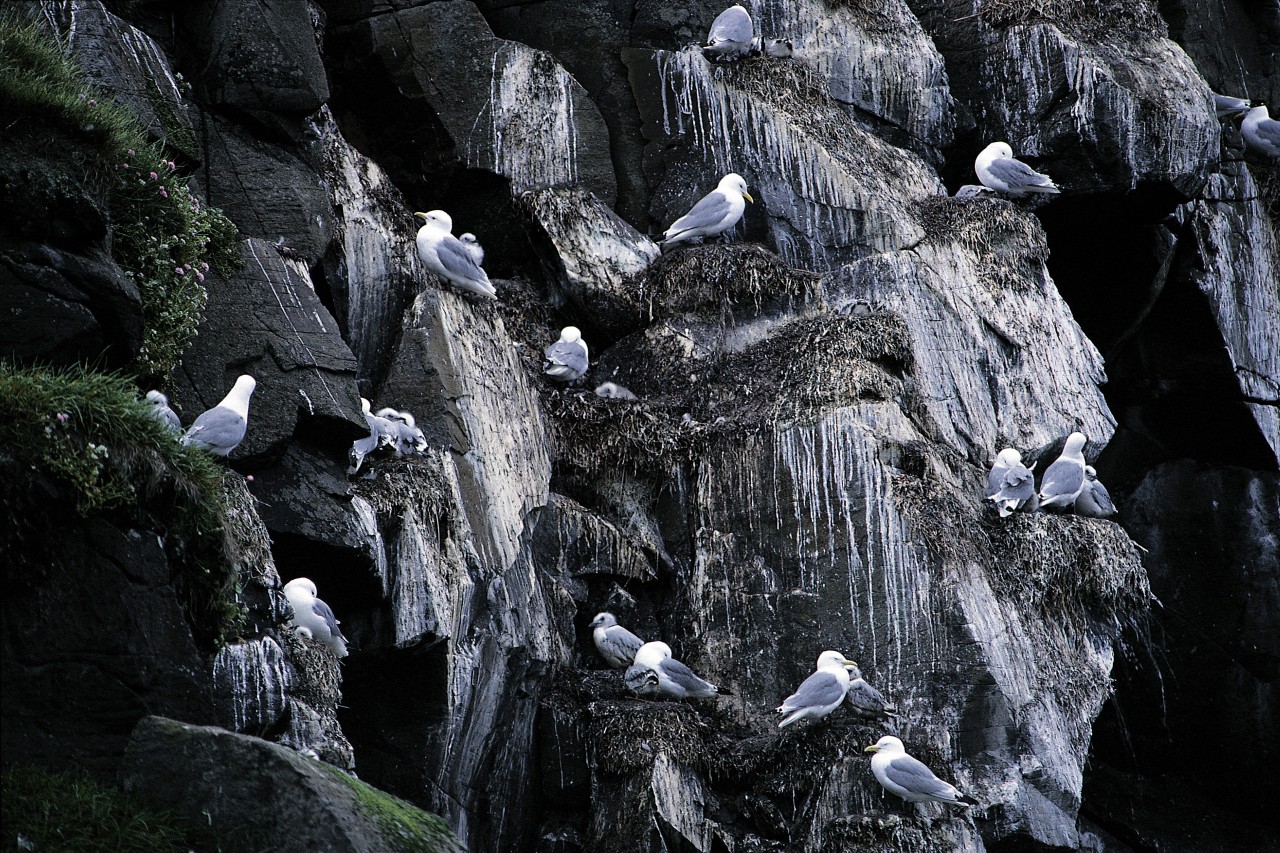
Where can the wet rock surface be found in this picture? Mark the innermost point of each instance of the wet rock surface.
(817, 405)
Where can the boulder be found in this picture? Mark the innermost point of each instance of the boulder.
(268, 322)
(268, 190)
(236, 791)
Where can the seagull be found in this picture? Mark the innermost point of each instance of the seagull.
(221, 429)
(732, 37)
(1094, 501)
(566, 359)
(1011, 485)
(613, 391)
(382, 433)
(820, 693)
(674, 679)
(312, 614)
(408, 438)
(474, 249)
(616, 644)
(910, 779)
(863, 699)
(1064, 479)
(997, 169)
(717, 212)
(448, 257)
(160, 411)
(1228, 107)
(1261, 132)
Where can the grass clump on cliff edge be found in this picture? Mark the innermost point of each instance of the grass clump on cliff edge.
(90, 433)
(162, 237)
(1093, 20)
(71, 813)
(719, 277)
(404, 826)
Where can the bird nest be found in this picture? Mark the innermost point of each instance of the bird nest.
(721, 278)
(1008, 242)
(1091, 20)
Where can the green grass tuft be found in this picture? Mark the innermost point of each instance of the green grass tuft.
(89, 432)
(164, 239)
(71, 813)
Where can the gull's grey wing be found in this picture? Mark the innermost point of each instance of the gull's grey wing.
(818, 690)
(915, 777)
(1019, 484)
(1062, 478)
(995, 479)
(731, 25)
(684, 677)
(1015, 173)
(622, 642)
(455, 258)
(1269, 129)
(1102, 497)
(864, 697)
(568, 354)
(325, 612)
(217, 427)
(712, 208)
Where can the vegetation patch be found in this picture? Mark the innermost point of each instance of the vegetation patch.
(404, 826)
(1091, 20)
(71, 813)
(90, 434)
(164, 239)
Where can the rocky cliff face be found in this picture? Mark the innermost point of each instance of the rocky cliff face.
(819, 404)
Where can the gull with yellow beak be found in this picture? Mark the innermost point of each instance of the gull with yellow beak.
(820, 693)
(717, 212)
(909, 778)
(448, 257)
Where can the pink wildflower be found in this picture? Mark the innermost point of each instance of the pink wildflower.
(131, 152)
(62, 417)
(154, 176)
(178, 270)
(199, 275)
(163, 194)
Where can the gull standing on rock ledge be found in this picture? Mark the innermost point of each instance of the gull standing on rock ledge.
(566, 359)
(1064, 479)
(717, 212)
(908, 777)
(998, 170)
(616, 644)
(820, 693)
(221, 429)
(448, 257)
(312, 615)
(732, 37)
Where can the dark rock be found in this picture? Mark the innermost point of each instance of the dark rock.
(306, 494)
(567, 536)
(1235, 44)
(267, 190)
(267, 321)
(462, 99)
(249, 683)
(238, 792)
(63, 307)
(92, 643)
(1211, 534)
(128, 65)
(263, 58)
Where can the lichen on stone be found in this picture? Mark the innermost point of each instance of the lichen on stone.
(405, 827)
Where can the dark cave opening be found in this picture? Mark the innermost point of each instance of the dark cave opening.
(1128, 269)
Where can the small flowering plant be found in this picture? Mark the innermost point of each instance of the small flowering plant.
(166, 241)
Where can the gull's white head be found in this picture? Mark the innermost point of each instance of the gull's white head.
(1075, 443)
(998, 151)
(437, 219)
(603, 620)
(1090, 473)
(237, 398)
(304, 585)
(570, 334)
(1008, 457)
(833, 659)
(733, 182)
(157, 398)
(366, 406)
(889, 744)
(468, 237)
(652, 654)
